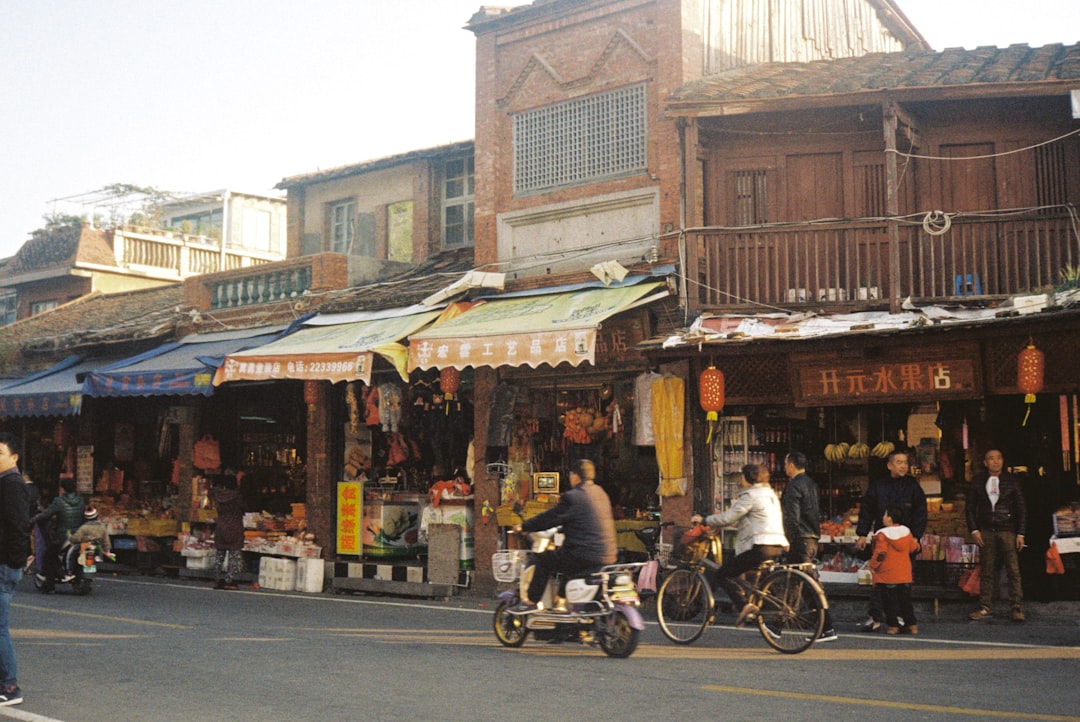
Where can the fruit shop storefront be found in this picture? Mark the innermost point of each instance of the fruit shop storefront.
(845, 391)
(553, 375)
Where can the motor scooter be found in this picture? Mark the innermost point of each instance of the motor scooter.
(601, 605)
(77, 566)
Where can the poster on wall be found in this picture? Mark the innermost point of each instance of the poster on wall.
(84, 470)
(350, 502)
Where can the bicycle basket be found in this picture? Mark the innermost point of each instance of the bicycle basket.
(506, 564)
(692, 551)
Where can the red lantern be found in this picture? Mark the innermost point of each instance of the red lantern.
(1030, 368)
(449, 382)
(711, 396)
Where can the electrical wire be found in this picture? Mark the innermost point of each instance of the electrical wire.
(988, 155)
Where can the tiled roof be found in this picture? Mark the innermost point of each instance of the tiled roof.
(912, 69)
(368, 166)
(95, 321)
(60, 248)
(406, 289)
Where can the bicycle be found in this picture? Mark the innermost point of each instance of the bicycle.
(791, 604)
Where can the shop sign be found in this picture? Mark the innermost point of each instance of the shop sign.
(573, 346)
(56, 404)
(349, 366)
(84, 470)
(877, 382)
(617, 338)
(350, 502)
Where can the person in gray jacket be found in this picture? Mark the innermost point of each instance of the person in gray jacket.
(759, 536)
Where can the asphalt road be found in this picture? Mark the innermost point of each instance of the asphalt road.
(155, 649)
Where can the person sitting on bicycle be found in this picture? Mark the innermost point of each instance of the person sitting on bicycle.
(584, 513)
(760, 534)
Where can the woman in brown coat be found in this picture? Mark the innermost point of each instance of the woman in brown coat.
(228, 532)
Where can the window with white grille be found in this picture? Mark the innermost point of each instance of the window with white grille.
(8, 308)
(459, 191)
(342, 227)
(587, 139)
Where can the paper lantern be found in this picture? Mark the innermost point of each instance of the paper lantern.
(711, 396)
(449, 382)
(1030, 369)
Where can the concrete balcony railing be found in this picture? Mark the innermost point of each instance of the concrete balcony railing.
(848, 263)
(176, 256)
(267, 284)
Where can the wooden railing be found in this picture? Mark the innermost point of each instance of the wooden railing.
(848, 263)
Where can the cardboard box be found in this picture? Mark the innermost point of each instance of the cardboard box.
(200, 562)
(309, 575)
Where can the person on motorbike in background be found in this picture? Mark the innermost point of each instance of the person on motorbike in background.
(584, 513)
(92, 531)
(66, 511)
(760, 534)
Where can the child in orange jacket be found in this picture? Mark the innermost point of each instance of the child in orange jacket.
(890, 564)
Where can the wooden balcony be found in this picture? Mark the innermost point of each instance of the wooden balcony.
(847, 264)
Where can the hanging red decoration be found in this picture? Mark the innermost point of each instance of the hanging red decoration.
(450, 383)
(711, 396)
(1030, 371)
(311, 392)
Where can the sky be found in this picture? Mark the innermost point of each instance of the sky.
(191, 96)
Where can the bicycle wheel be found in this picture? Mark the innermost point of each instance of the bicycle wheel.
(509, 628)
(684, 606)
(792, 610)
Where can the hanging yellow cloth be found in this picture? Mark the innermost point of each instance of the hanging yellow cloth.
(667, 411)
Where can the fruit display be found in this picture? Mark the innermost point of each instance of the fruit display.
(837, 453)
(883, 449)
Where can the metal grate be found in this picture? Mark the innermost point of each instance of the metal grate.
(580, 140)
(757, 379)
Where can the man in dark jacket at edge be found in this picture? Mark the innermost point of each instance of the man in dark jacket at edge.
(584, 513)
(66, 512)
(14, 551)
(801, 504)
(901, 494)
(997, 520)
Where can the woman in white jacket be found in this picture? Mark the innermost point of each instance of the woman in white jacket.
(760, 534)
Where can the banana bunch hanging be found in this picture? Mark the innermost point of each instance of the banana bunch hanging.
(882, 449)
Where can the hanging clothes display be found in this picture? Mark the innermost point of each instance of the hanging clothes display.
(667, 412)
(643, 421)
(389, 406)
(501, 421)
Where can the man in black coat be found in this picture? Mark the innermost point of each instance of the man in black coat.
(901, 495)
(997, 519)
(801, 503)
(584, 513)
(14, 550)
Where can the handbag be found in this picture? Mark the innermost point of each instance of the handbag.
(971, 580)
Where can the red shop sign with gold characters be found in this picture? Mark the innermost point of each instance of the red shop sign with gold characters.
(846, 383)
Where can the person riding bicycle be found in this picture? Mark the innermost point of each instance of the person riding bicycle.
(584, 513)
(760, 534)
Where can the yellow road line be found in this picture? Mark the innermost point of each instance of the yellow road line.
(936, 709)
(40, 634)
(87, 615)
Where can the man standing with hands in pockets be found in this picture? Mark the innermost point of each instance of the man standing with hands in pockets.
(997, 520)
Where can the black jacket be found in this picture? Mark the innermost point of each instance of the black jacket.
(14, 519)
(66, 510)
(801, 503)
(904, 499)
(584, 513)
(1010, 512)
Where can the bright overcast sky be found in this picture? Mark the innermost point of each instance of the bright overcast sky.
(200, 95)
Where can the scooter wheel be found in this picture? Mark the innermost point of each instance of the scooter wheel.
(509, 628)
(620, 639)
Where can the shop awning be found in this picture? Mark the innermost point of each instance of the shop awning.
(526, 330)
(182, 368)
(330, 347)
(56, 391)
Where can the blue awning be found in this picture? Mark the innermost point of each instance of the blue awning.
(179, 368)
(56, 391)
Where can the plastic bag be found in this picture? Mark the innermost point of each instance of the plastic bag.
(970, 581)
(646, 581)
(1054, 563)
(207, 454)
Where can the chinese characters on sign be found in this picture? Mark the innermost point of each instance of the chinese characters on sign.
(527, 349)
(871, 381)
(349, 514)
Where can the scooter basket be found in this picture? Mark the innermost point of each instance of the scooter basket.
(506, 564)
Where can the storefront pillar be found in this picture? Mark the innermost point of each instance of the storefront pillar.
(187, 433)
(484, 487)
(319, 493)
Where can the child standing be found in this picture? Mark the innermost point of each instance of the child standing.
(890, 564)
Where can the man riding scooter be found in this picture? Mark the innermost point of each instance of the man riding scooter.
(66, 511)
(584, 513)
(92, 531)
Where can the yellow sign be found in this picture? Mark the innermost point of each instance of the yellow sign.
(350, 503)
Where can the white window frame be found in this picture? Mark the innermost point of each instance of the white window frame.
(459, 196)
(342, 227)
(42, 306)
(9, 308)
